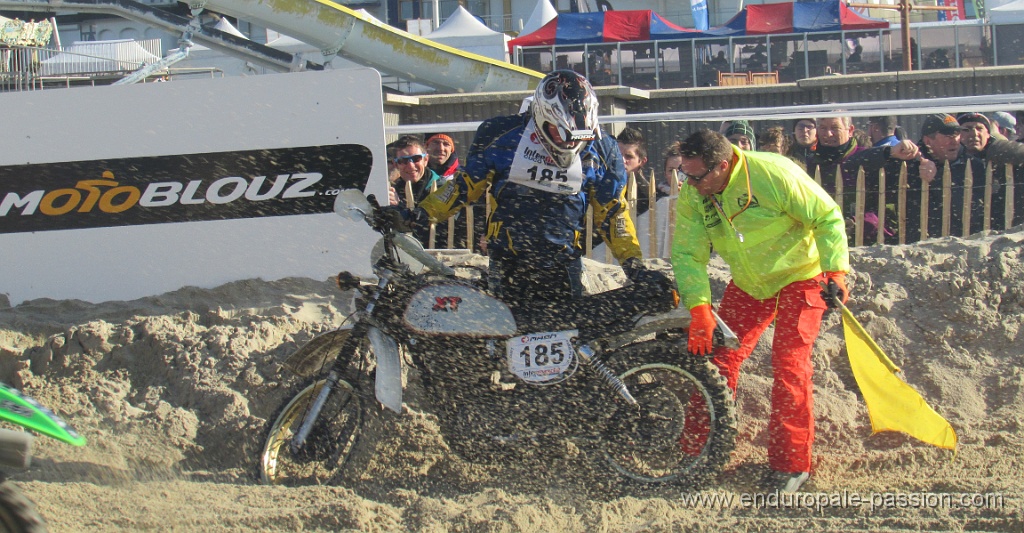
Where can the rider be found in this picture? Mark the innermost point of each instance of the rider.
(545, 167)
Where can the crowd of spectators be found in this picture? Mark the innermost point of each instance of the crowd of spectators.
(833, 150)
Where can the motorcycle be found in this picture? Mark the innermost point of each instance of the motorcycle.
(609, 373)
(18, 514)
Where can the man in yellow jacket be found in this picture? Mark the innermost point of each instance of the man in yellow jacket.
(781, 235)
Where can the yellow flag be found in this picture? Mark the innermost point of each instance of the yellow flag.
(892, 404)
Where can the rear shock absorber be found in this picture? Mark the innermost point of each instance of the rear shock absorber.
(590, 357)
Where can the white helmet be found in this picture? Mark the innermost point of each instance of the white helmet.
(564, 110)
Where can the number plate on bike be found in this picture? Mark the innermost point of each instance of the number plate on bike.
(542, 357)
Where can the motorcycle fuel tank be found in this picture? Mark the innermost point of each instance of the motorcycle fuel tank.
(458, 309)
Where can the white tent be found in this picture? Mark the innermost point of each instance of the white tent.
(464, 31)
(543, 12)
(1012, 13)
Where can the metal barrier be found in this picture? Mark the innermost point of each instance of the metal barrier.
(26, 68)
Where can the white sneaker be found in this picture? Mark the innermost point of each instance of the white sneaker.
(791, 481)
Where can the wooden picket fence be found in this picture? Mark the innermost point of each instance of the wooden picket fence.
(904, 192)
(659, 232)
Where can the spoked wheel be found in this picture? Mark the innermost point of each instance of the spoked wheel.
(684, 428)
(326, 450)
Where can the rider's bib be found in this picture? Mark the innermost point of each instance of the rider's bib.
(532, 167)
(542, 358)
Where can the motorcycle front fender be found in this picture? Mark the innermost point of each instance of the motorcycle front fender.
(677, 319)
(388, 385)
(318, 353)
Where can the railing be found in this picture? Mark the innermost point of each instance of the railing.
(31, 68)
(980, 202)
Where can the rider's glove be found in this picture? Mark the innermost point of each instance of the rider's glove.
(402, 219)
(835, 289)
(702, 330)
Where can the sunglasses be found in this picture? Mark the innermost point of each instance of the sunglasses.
(408, 159)
(691, 177)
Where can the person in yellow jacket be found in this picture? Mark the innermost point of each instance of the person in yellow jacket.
(782, 236)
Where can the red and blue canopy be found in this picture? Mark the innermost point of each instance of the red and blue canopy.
(604, 27)
(646, 25)
(798, 17)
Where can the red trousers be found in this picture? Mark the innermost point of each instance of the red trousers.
(797, 310)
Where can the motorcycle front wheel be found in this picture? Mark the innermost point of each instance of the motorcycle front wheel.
(17, 513)
(330, 443)
(683, 430)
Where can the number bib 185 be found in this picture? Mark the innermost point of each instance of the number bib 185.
(542, 357)
(532, 167)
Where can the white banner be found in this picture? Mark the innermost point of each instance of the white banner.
(119, 192)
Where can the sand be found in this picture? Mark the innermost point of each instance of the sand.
(172, 393)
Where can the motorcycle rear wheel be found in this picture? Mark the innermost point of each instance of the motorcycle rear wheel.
(643, 444)
(18, 514)
(328, 446)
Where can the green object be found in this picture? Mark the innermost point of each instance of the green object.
(24, 411)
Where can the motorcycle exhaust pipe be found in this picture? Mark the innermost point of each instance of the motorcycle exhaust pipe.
(15, 448)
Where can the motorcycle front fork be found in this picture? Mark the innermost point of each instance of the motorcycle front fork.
(590, 357)
(349, 348)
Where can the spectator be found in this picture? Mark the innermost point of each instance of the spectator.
(774, 140)
(805, 138)
(940, 144)
(836, 145)
(411, 163)
(975, 135)
(634, 157)
(633, 148)
(975, 132)
(758, 61)
(794, 241)
(441, 151)
(882, 131)
(855, 56)
(1005, 124)
(741, 134)
(411, 166)
(1019, 115)
(937, 59)
(672, 159)
(720, 63)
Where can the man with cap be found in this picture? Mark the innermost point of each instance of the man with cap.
(741, 134)
(441, 151)
(1005, 124)
(976, 136)
(804, 138)
(941, 142)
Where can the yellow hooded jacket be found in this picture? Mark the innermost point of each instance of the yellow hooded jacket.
(779, 227)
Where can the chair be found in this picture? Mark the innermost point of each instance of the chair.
(764, 78)
(726, 79)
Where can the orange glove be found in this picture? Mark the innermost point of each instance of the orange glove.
(702, 330)
(835, 289)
